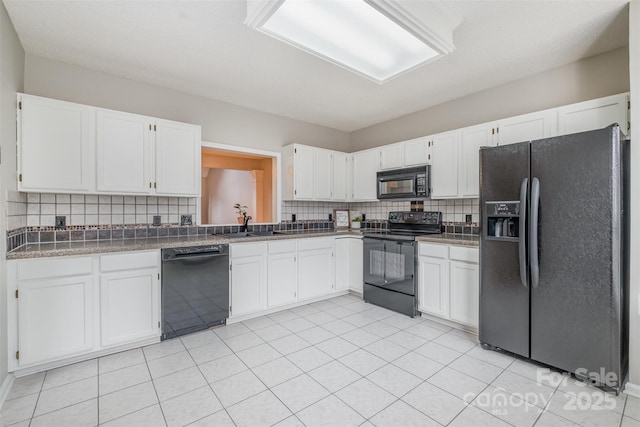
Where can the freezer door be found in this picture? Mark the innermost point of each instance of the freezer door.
(576, 303)
(504, 296)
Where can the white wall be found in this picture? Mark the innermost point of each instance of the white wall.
(221, 122)
(11, 81)
(634, 316)
(226, 188)
(595, 77)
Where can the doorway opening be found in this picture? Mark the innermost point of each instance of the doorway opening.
(238, 177)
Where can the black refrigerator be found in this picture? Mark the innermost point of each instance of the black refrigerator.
(554, 253)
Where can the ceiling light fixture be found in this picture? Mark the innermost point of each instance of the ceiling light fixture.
(379, 39)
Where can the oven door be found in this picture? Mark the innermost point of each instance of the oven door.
(390, 264)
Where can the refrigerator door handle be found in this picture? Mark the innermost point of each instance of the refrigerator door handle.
(533, 232)
(522, 244)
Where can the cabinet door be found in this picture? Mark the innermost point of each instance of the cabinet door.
(315, 273)
(282, 279)
(471, 139)
(416, 152)
(55, 318)
(391, 156)
(365, 168)
(594, 114)
(464, 293)
(304, 172)
(340, 176)
(248, 285)
(528, 127)
(177, 154)
(55, 146)
(129, 303)
(123, 153)
(356, 264)
(343, 264)
(444, 165)
(323, 179)
(433, 289)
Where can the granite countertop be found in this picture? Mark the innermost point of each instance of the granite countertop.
(53, 249)
(451, 239)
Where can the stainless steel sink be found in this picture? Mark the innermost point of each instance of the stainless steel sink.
(236, 235)
(264, 233)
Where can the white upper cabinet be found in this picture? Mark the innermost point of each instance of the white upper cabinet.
(323, 174)
(177, 155)
(341, 176)
(391, 156)
(310, 173)
(416, 152)
(471, 139)
(445, 149)
(123, 153)
(56, 145)
(594, 114)
(365, 168)
(528, 127)
(413, 152)
(73, 148)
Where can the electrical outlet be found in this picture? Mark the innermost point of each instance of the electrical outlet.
(186, 220)
(61, 221)
(467, 219)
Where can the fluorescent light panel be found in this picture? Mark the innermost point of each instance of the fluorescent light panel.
(351, 34)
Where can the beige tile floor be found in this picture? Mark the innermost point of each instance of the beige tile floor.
(339, 362)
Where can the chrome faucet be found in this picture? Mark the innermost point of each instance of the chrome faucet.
(245, 226)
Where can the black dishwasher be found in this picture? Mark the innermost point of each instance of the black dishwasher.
(195, 289)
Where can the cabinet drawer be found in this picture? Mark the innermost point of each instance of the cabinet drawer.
(315, 243)
(436, 251)
(281, 247)
(461, 253)
(129, 261)
(242, 250)
(54, 267)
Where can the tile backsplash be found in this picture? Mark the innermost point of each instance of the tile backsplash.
(452, 210)
(40, 210)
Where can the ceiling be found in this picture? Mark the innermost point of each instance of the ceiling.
(203, 48)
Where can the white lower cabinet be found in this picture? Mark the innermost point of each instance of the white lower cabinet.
(55, 317)
(248, 278)
(348, 264)
(464, 292)
(65, 307)
(315, 267)
(449, 282)
(434, 285)
(129, 297)
(282, 279)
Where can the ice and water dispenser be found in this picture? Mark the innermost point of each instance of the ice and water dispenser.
(503, 220)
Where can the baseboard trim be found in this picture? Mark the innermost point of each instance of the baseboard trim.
(5, 388)
(632, 390)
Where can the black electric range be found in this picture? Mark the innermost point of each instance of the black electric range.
(390, 260)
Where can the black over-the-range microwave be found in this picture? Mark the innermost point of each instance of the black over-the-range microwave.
(406, 183)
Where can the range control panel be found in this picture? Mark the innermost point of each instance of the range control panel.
(431, 218)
